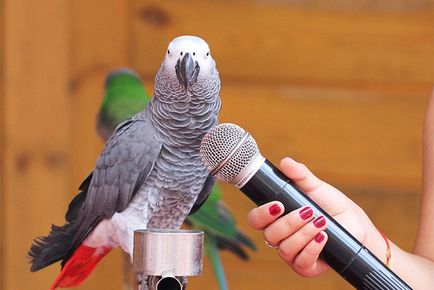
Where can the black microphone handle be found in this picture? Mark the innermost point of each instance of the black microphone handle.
(342, 252)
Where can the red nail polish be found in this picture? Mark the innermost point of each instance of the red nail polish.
(319, 238)
(274, 209)
(319, 221)
(306, 212)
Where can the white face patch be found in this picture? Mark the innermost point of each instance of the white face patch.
(195, 46)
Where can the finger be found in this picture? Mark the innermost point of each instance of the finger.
(260, 217)
(306, 263)
(287, 225)
(319, 191)
(291, 246)
(300, 174)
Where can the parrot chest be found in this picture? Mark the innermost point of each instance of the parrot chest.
(173, 187)
(170, 190)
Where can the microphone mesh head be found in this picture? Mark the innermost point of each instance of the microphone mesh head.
(221, 147)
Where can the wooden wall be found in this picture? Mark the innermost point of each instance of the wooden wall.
(340, 85)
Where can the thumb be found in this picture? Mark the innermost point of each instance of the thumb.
(301, 175)
(326, 196)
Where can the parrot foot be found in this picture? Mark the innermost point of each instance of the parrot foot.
(143, 283)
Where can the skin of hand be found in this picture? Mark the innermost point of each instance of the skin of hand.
(299, 241)
(424, 244)
(300, 235)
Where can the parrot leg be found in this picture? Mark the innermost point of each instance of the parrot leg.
(184, 281)
(143, 284)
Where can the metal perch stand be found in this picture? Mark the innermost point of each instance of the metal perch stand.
(164, 258)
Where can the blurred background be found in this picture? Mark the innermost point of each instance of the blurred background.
(340, 85)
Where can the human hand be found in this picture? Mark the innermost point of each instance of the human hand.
(299, 236)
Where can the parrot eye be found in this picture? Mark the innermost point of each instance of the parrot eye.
(207, 54)
(194, 53)
(168, 51)
(181, 53)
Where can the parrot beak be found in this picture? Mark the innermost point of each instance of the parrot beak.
(187, 70)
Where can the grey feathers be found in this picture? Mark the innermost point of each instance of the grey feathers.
(150, 170)
(122, 167)
(52, 248)
(125, 162)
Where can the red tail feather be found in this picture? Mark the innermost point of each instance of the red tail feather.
(79, 266)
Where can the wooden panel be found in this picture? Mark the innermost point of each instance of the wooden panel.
(265, 41)
(354, 137)
(56, 59)
(2, 137)
(98, 44)
(36, 132)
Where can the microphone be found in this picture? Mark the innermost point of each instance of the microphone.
(232, 155)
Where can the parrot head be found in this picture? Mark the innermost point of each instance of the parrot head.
(188, 61)
(120, 75)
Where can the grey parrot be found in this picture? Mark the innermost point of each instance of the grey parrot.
(149, 174)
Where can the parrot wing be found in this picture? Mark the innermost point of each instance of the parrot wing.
(123, 166)
(76, 203)
(127, 159)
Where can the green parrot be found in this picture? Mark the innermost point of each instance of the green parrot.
(125, 96)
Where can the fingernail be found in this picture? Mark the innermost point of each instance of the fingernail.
(274, 209)
(319, 238)
(319, 221)
(306, 212)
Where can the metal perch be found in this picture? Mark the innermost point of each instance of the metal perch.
(164, 258)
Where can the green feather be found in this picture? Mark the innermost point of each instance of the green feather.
(213, 254)
(124, 97)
